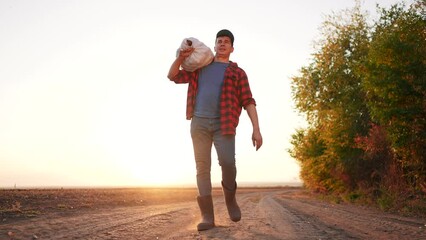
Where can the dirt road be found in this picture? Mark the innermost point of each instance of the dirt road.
(269, 214)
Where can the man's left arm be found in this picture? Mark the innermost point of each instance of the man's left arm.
(249, 104)
(256, 136)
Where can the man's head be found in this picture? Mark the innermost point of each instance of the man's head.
(224, 45)
(226, 33)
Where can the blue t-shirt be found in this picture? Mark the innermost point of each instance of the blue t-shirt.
(210, 82)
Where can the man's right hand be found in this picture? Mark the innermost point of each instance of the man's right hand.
(174, 69)
(184, 53)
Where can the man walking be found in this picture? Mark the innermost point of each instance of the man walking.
(216, 95)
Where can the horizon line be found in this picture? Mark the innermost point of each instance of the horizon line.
(186, 185)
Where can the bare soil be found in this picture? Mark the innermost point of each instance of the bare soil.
(143, 213)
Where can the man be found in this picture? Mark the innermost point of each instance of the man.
(216, 95)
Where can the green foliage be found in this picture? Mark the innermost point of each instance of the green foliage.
(353, 196)
(329, 93)
(386, 201)
(395, 82)
(363, 95)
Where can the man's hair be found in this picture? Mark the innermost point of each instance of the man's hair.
(226, 33)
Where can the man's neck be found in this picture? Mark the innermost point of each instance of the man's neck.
(221, 59)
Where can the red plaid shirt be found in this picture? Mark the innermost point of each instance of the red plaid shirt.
(235, 95)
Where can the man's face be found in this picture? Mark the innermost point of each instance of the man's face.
(223, 46)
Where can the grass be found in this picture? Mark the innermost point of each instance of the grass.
(16, 209)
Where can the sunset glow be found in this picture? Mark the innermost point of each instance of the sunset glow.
(85, 101)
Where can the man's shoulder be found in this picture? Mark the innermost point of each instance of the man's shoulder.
(233, 64)
(236, 69)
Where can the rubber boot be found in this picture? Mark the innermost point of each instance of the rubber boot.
(206, 207)
(231, 203)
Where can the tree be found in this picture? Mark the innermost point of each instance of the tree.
(329, 92)
(364, 98)
(395, 83)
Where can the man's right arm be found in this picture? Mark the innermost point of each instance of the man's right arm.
(174, 69)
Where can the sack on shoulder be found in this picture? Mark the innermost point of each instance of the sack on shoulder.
(200, 57)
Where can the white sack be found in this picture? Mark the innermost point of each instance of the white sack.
(200, 57)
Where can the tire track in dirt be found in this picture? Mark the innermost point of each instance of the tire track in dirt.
(300, 226)
(345, 221)
(154, 222)
(262, 218)
(266, 218)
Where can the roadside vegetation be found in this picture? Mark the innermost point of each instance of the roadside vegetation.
(363, 96)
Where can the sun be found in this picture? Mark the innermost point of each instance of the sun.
(156, 173)
(140, 152)
(155, 167)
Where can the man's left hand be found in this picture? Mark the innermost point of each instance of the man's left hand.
(257, 139)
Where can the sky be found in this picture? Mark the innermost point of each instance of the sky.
(85, 100)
